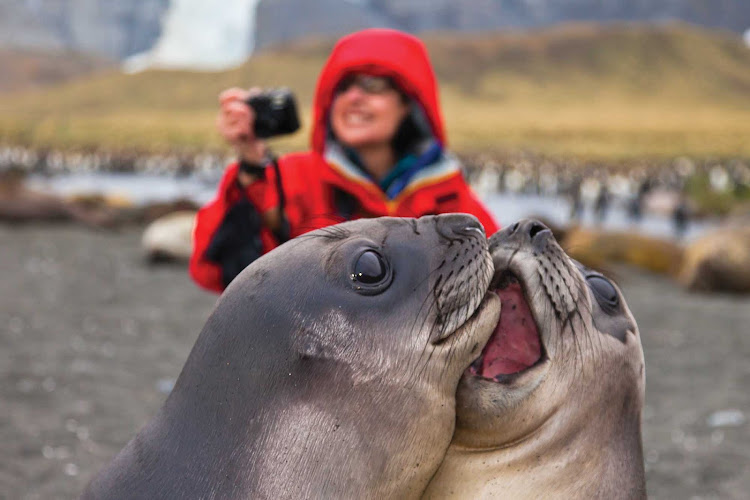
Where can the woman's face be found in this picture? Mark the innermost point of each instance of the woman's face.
(366, 111)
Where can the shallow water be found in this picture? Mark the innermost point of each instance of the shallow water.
(507, 207)
(138, 188)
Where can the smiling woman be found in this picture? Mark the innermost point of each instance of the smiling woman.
(378, 149)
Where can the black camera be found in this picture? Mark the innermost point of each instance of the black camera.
(275, 113)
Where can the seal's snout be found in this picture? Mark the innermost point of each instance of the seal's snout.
(524, 232)
(516, 345)
(454, 226)
(462, 272)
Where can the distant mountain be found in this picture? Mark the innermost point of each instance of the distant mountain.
(570, 62)
(196, 34)
(280, 20)
(24, 69)
(108, 28)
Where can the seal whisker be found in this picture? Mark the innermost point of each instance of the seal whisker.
(432, 297)
(586, 306)
(460, 283)
(574, 339)
(576, 313)
(596, 345)
(588, 336)
(428, 297)
(451, 349)
(420, 365)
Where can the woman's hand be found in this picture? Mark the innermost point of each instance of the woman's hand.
(235, 123)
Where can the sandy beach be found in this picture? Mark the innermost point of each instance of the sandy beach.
(92, 337)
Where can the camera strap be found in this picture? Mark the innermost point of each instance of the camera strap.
(283, 233)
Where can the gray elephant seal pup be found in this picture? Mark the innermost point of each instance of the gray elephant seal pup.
(552, 408)
(327, 370)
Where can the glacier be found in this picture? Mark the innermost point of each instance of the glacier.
(200, 35)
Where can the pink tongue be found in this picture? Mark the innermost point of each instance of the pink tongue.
(515, 344)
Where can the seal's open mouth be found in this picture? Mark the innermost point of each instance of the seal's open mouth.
(515, 344)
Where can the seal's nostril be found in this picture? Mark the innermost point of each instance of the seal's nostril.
(513, 228)
(457, 225)
(472, 229)
(535, 229)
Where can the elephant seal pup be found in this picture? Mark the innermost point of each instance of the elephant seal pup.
(552, 408)
(328, 369)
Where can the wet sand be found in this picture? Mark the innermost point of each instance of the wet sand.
(91, 338)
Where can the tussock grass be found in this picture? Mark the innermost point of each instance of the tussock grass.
(614, 92)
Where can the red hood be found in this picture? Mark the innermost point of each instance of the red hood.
(386, 52)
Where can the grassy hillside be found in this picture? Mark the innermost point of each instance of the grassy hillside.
(24, 69)
(582, 90)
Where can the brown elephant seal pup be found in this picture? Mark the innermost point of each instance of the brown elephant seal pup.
(328, 369)
(552, 408)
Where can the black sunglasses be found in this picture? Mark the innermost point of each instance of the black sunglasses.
(369, 84)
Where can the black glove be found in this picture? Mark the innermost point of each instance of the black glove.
(236, 243)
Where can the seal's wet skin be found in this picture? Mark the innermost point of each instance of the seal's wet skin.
(328, 369)
(552, 407)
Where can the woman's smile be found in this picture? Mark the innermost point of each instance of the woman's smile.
(362, 119)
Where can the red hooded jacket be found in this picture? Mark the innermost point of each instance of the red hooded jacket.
(316, 182)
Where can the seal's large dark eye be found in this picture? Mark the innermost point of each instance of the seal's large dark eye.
(370, 268)
(605, 292)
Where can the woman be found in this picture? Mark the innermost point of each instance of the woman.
(377, 150)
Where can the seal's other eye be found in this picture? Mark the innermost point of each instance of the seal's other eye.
(370, 268)
(604, 291)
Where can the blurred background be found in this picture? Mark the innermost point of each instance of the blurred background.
(625, 125)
